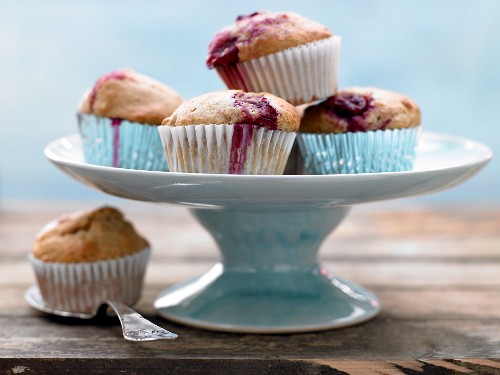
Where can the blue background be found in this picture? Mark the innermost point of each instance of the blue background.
(444, 53)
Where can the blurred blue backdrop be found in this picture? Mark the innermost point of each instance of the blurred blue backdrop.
(443, 53)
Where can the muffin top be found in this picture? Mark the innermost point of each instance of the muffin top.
(128, 95)
(236, 107)
(360, 109)
(100, 234)
(260, 34)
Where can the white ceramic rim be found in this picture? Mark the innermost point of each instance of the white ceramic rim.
(74, 139)
(446, 161)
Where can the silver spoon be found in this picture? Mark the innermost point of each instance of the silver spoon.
(134, 326)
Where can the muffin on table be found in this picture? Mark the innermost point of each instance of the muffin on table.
(284, 54)
(360, 130)
(232, 132)
(118, 117)
(83, 259)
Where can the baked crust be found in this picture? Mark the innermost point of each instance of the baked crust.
(236, 107)
(260, 34)
(100, 234)
(132, 96)
(361, 109)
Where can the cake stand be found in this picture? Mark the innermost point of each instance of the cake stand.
(269, 230)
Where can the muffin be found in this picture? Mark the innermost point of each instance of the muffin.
(232, 132)
(83, 259)
(118, 119)
(360, 130)
(284, 54)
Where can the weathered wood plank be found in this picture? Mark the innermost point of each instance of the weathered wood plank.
(374, 233)
(40, 336)
(366, 236)
(236, 365)
(380, 339)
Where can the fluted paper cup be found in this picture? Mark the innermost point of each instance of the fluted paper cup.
(121, 143)
(299, 75)
(359, 152)
(83, 287)
(226, 148)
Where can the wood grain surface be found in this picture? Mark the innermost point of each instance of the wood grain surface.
(436, 270)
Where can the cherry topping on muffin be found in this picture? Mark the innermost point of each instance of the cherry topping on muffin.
(350, 105)
(222, 50)
(257, 110)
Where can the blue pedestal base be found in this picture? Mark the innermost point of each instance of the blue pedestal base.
(269, 279)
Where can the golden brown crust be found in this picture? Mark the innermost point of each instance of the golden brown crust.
(292, 31)
(236, 107)
(361, 109)
(261, 34)
(129, 95)
(100, 234)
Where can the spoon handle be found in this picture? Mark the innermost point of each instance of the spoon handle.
(137, 328)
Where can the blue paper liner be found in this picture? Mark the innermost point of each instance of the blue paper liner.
(359, 152)
(121, 143)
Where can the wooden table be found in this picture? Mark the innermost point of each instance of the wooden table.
(436, 270)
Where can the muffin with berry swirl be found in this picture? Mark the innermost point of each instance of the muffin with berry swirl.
(118, 117)
(360, 130)
(231, 132)
(284, 54)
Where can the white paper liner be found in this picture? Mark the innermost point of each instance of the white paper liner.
(299, 75)
(211, 149)
(83, 287)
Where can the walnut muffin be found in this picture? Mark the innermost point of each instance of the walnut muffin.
(231, 132)
(361, 109)
(281, 53)
(80, 260)
(360, 130)
(118, 117)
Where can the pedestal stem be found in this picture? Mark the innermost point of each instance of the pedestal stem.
(272, 240)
